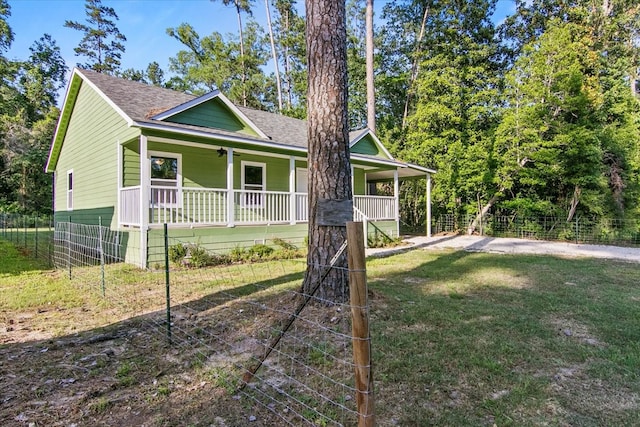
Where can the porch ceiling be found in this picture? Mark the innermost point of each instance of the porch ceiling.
(412, 171)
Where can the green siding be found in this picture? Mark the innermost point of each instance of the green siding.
(131, 164)
(359, 185)
(387, 227)
(368, 146)
(204, 168)
(86, 216)
(132, 249)
(90, 147)
(223, 239)
(201, 167)
(212, 114)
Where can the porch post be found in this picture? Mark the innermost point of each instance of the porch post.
(353, 188)
(292, 190)
(144, 200)
(230, 198)
(428, 205)
(120, 172)
(396, 196)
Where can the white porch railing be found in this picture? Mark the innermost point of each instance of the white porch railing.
(302, 207)
(376, 208)
(130, 206)
(209, 206)
(261, 207)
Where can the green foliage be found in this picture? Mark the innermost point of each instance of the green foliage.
(28, 116)
(177, 253)
(238, 254)
(212, 62)
(381, 240)
(284, 244)
(102, 42)
(198, 256)
(259, 251)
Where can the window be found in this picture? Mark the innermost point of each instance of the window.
(302, 180)
(165, 179)
(253, 183)
(70, 190)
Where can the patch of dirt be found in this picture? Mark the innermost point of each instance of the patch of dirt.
(123, 375)
(573, 330)
(591, 394)
(128, 374)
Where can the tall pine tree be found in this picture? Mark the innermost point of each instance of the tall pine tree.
(102, 42)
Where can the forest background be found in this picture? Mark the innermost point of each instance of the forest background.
(538, 115)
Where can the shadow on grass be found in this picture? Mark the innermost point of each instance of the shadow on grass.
(478, 339)
(127, 373)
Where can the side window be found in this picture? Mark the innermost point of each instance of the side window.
(70, 190)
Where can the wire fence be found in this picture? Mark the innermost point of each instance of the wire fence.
(607, 231)
(32, 234)
(224, 318)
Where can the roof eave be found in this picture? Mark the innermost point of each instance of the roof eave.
(218, 137)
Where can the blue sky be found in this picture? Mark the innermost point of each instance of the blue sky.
(143, 22)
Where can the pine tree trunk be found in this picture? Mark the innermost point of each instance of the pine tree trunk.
(414, 68)
(371, 93)
(275, 56)
(243, 77)
(328, 145)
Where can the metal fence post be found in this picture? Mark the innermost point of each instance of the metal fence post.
(577, 229)
(166, 281)
(36, 237)
(24, 223)
(69, 247)
(101, 252)
(50, 243)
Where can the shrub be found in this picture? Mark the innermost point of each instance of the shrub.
(199, 257)
(284, 244)
(177, 253)
(238, 254)
(259, 251)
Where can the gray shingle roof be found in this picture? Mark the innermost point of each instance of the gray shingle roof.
(136, 99)
(140, 101)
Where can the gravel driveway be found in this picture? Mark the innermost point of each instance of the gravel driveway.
(516, 246)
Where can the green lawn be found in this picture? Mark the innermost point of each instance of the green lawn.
(459, 339)
(476, 339)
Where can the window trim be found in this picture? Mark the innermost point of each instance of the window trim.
(246, 200)
(69, 191)
(178, 180)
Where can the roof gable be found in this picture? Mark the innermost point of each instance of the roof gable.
(212, 110)
(366, 143)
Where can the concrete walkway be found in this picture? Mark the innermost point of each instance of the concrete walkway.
(512, 246)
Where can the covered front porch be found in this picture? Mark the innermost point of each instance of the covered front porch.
(196, 185)
(192, 184)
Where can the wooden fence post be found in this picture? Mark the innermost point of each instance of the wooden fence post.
(360, 324)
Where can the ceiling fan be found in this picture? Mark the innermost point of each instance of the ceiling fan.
(222, 152)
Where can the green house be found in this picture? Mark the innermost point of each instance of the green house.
(134, 157)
